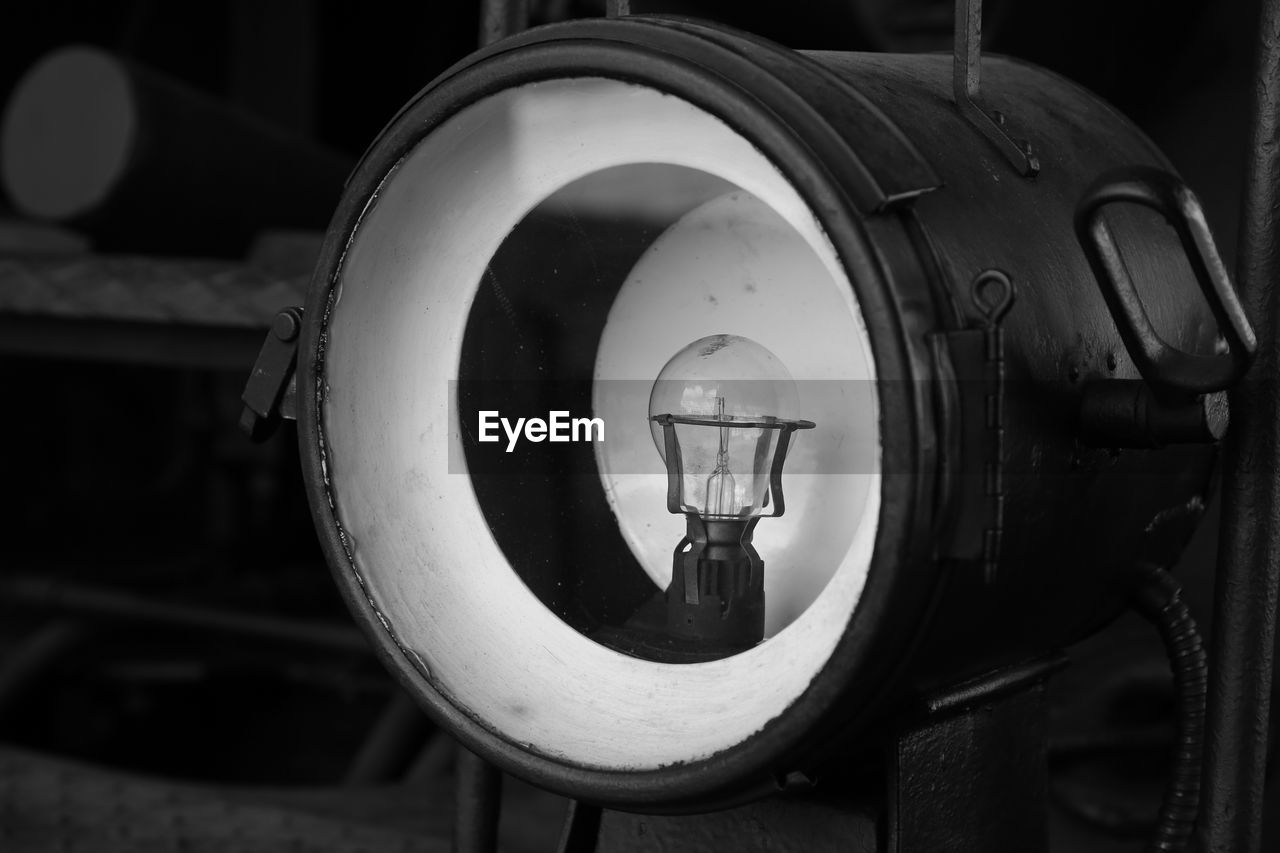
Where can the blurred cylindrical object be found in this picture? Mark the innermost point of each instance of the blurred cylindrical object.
(144, 163)
(502, 18)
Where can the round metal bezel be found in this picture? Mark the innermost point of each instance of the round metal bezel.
(784, 126)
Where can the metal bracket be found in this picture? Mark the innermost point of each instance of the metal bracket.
(970, 773)
(270, 395)
(966, 83)
(970, 369)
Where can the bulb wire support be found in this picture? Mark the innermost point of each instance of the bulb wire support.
(675, 464)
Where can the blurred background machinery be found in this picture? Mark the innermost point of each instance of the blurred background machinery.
(176, 669)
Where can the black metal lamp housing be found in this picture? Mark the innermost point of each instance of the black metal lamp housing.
(548, 222)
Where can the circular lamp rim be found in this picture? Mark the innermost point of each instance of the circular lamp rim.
(661, 55)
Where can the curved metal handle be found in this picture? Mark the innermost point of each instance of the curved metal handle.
(1166, 368)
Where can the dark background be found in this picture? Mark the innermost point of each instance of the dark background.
(141, 527)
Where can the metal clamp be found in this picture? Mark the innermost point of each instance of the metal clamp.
(270, 394)
(1170, 371)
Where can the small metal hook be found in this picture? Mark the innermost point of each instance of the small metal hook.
(992, 294)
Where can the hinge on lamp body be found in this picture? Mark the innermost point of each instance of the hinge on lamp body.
(970, 370)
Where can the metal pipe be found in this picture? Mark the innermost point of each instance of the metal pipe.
(107, 604)
(1243, 639)
(391, 744)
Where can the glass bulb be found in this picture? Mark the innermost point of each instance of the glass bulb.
(733, 387)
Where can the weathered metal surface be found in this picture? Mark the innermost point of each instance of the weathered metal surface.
(970, 774)
(884, 171)
(1058, 337)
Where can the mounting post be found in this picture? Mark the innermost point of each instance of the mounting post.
(478, 788)
(502, 18)
(1244, 618)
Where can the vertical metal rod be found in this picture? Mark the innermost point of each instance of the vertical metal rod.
(478, 788)
(502, 18)
(966, 59)
(390, 745)
(966, 88)
(617, 8)
(581, 828)
(1249, 549)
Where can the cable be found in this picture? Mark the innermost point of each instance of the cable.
(1158, 597)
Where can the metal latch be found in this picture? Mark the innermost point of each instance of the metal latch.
(270, 395)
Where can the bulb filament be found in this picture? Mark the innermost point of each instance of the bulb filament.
(721, 488)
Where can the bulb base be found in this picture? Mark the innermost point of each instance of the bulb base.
(714, 606)
(716, 596)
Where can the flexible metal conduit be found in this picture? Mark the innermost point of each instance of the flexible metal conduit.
(1159, 598)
